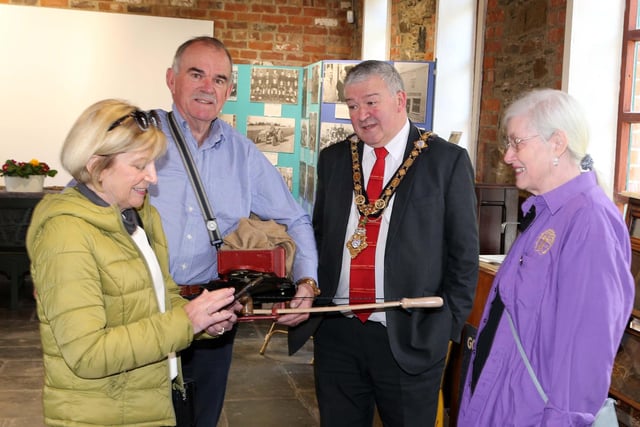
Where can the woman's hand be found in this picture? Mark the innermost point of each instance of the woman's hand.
(222, 326)
(213, 311)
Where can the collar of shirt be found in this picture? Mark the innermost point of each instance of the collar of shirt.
(214, 137)
(395, 147)
(561, 195)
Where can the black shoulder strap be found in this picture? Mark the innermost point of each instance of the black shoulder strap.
(194, 177)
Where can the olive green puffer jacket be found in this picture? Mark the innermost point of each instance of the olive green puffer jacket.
(104, 340)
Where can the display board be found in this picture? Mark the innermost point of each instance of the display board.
(56, 62)
(266, 106)
(291, 113)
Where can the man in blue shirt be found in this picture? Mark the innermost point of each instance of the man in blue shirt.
(238, 180)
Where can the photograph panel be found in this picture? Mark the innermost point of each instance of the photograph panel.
(272, 133)
(274, 85)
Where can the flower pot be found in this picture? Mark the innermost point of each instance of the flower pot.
(30, 184)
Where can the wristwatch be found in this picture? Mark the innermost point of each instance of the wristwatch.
(312, 284)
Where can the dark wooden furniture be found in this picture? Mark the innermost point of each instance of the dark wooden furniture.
(460, 353)
(625, 379)
(15, 215)
(498, 213)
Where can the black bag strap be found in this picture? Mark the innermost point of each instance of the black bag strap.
(194, 177)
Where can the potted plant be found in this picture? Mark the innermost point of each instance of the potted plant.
(25, 176)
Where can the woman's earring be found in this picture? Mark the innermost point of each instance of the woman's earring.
(555, 161)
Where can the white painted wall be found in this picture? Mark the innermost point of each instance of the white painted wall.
(376, 30)
(454, 52)
(56, 62)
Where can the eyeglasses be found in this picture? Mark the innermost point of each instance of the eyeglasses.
(510, 142)
(143, 119)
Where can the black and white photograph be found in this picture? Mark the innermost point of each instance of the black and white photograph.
(310, 186)
(304, 133)
(302, 187)
(313, 130)
(315, 84)
(272, 133)
(330, 133)
(274, 85)
(287, 175)
(234, 80)
(333, 82)
(415, 77)
(229, 118)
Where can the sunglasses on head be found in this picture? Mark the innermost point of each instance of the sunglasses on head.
(143, 119)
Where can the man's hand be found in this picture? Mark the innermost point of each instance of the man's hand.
(302, 299)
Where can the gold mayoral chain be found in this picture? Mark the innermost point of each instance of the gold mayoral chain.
(370, 211)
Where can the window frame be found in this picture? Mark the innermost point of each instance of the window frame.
(626, 118)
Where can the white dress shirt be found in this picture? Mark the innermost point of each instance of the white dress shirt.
(394, 159)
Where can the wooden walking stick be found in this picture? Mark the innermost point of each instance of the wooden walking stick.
(406, 303)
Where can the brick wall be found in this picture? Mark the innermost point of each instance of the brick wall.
(523, 43)
(523, 49)
(278, 32)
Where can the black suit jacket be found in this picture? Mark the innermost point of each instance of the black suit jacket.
(431, 249)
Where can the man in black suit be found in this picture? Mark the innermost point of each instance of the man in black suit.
(416, 237)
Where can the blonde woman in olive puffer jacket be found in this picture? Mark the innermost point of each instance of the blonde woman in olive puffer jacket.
(111, 317)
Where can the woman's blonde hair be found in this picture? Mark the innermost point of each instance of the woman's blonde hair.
(105, 129)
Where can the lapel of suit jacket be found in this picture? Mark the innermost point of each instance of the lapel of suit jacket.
(344, 195)
(338, 197)
(338, 204)
(401, 198)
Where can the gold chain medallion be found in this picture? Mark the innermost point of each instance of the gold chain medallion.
(358, 241)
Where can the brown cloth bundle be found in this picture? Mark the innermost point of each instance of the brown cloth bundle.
(254, 233)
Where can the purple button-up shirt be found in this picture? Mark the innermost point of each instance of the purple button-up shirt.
(567, 284)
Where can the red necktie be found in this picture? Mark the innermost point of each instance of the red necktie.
(362, 289)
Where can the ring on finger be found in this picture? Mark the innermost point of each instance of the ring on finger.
(221, 332)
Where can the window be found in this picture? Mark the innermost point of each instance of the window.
(627, 176)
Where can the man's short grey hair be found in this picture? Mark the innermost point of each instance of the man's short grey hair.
(210, 41)
(385, 70)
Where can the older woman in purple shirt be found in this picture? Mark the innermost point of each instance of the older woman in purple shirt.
(566, 281)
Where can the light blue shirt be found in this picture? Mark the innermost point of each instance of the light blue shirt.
(238, 180)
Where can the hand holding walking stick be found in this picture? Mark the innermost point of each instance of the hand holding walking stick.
(406, 303)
